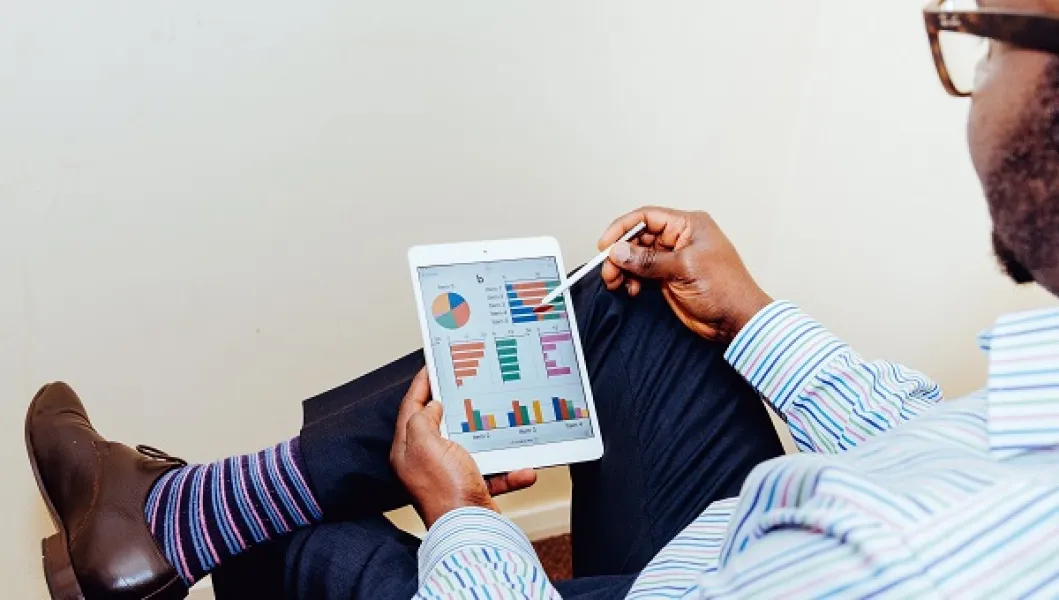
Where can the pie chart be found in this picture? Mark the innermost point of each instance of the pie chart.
(450, 310)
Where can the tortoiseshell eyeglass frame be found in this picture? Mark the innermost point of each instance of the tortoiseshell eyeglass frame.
(1034, 31)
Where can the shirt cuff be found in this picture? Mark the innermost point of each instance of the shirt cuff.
(469, 527)
(780, 350)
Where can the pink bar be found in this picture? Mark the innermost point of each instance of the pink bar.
(580, 413)
(551, 364)
(560, 371)
(556, 337)
(548, 347)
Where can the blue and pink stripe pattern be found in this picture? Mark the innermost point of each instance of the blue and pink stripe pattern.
(202, 514)
(894, 493)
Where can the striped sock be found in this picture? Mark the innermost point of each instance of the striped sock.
(203, 514)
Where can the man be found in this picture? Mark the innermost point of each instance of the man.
(894, 494)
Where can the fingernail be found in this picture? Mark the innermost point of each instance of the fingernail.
(621, 251)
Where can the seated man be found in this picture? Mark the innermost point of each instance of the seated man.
(894, 494)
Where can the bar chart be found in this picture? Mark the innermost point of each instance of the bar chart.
(520, 415)
(524, 301)
(553, 355)
(507, 357)
(466, 359)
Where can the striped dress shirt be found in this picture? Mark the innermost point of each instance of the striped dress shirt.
(894, 493)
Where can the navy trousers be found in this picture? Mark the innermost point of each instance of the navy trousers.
(680, 429)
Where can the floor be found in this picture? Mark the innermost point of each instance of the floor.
(555, 554)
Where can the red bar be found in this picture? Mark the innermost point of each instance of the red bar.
(528, 285)
(467, 355)
(562, 408)
(518, 413)
(470, 414)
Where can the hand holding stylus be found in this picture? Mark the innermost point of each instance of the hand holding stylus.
(702, 276)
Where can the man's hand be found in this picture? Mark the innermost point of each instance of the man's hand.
(703, 279)
(439, 473)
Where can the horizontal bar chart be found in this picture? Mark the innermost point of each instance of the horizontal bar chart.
(466, 359)
(524, 301)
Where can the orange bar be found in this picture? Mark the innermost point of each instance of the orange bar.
(491, 420)
(528, 285)
(468, 346)
(464, 364)
(465, 372)
(534, 301)
(537, 411)
(470, 413)
(467, 355)
(459, 383)
(518, 413)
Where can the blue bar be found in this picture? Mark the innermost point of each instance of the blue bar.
(466, 427)
(511, 419)
(512, 295)
(529, 319)
(555, 407)
(521, 310)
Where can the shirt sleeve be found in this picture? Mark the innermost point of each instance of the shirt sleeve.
(477, 553)
(830, 397)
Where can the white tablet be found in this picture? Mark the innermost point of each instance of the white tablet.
(509, 371)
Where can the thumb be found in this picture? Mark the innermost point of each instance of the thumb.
(648, 262)
(430, 416)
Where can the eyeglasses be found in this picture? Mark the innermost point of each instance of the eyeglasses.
(961, 33)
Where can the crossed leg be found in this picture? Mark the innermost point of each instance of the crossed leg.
(680, 427)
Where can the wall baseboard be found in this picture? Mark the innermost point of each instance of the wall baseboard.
(539, 522)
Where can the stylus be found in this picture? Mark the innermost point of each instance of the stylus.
(592, 264)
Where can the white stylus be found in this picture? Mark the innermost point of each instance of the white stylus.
(592, 264)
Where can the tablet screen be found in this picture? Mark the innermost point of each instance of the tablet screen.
(506, 366)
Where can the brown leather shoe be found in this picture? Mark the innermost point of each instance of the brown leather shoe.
(96, 491)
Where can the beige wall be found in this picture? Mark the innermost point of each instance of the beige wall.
(204, 205)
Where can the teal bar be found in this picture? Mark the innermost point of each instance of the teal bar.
(506, 351)
(509, 368)
(478, 421)
(511, 376)
(525, 415)
(506, 343)
(508, 360)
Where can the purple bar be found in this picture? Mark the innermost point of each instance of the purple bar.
(551, 364)
(559, 371)
(555, 337)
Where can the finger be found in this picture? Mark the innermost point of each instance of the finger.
(510, 482)
(650, 263)
(612, 275)
(418, 394)
(660, 222)
(632, 286)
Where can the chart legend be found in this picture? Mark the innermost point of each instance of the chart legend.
(507, 357)
(524, 301)
(466, 359)
(550, 348)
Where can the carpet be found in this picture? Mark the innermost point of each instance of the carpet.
(555, 555)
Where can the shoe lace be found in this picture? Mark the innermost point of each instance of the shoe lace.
(156, 454)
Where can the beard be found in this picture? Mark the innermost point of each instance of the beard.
(1023, 192)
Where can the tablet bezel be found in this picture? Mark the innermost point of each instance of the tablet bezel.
(510, 459)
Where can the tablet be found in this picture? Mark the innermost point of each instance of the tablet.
(509, 372)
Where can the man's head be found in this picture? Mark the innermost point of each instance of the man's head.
(1014, 139)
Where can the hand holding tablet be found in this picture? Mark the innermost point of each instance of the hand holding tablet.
(508, 368)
